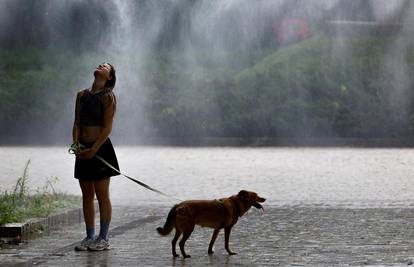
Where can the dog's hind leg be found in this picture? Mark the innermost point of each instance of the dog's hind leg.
(174, 241)
(227, 231)
(213, 239)
(186, 235)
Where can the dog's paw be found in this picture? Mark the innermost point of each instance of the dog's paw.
(176, 255)
(210, 252)
(187, 256)
(231, 253)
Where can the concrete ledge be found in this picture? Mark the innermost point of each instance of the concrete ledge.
(37, 225)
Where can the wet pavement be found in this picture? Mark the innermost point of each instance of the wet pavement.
(281, 236)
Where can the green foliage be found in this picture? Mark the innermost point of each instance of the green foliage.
(35, 85)
(19, 205)
(308, 89)
(321, 87)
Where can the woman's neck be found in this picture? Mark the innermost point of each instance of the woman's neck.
(97, 86)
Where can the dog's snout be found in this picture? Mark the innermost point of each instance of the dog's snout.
(261, 199)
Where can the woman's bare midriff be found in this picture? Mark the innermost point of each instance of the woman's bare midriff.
(89, 134)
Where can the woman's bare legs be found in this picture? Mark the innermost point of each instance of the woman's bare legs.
(88, 196)
(102, 194)
(105, 206)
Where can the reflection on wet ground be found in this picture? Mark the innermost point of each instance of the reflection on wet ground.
(289, 236)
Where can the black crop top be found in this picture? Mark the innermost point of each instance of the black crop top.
(91, 109)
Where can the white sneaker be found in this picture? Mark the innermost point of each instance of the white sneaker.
(84, 244)
(99, 244)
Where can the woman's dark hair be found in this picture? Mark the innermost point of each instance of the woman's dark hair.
(111, 83)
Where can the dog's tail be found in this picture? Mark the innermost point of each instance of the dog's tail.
(169, 223)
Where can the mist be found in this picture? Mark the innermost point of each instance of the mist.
(208, 68)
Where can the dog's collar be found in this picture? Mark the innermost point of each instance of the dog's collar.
(236, 205)
(221, 202)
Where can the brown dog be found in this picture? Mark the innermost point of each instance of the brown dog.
(216, 214)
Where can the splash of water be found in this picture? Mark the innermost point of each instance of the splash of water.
(190, 37)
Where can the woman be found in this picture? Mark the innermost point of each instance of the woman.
(94, 113)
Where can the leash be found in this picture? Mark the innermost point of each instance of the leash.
(76, 148)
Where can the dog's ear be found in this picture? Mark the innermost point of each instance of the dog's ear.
(243, 194)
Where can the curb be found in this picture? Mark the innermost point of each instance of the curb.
(27, 229)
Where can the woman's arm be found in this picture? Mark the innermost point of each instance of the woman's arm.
(76, 126)
(108, 101)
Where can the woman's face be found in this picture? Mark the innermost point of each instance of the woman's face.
(103, 70)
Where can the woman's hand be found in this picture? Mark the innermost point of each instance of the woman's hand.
(87, 153)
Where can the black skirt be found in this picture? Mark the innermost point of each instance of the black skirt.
(94, 169)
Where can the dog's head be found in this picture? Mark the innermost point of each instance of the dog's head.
(249, 198)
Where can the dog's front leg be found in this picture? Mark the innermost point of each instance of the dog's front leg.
(213, 239)
(227, 231)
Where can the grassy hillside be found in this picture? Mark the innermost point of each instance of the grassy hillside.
(321, 87)
(326, 87)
